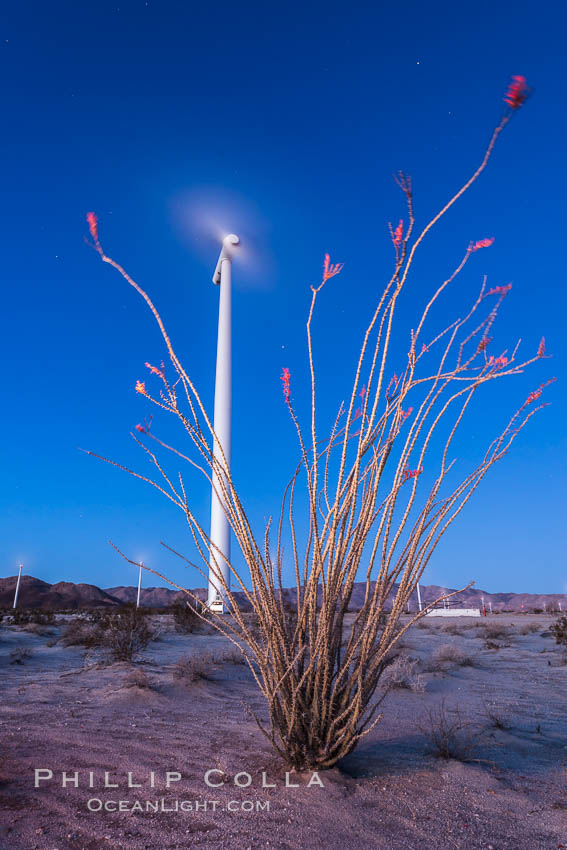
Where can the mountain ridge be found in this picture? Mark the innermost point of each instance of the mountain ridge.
(35, 593)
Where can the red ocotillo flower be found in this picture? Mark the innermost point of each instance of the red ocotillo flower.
(541, 347)
(362, 393)
(406, 413)
(481, 243)
(534, 395)
(397, 234)
(497, 362)
(284, 377)
(411, 473)
(484, 343)
(331, 269)
(92, 221)
(393, 382)
(145, 428)
(154, 370)
(517, 93)
(140, 387)
(500, 290)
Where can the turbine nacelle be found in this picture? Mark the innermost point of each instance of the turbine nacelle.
(227, 252)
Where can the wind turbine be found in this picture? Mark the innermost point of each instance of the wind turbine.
(139, 586)
(20, 568)
(219, 554)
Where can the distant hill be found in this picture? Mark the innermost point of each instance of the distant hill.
(152, 597)
(35, 593)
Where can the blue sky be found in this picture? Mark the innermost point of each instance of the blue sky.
(175, 121)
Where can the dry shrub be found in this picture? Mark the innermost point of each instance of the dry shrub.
(491, 644)
(528, 629)
(37, 629)
(447, 656)
(375, 490)
(137, 679)
(123, 632)
(186, 616)
(20, 654)
(494, 631)
(449, 735)
(230, 656)
(559, 630)
(126, 632)
(27, 616)
(495, 718)
(401, 674)
(80, 632)
(452, 629)
(194, 667)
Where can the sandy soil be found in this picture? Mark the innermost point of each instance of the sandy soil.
(64, 710)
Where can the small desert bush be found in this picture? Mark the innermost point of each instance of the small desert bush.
(496, 718)
(230, 656)
(185, 616)
(194, 667)
(528, 629)
(137, 679)
(491, 644)
(27, 616)
(559, 630)
(452, 629)
(401, 674)
(447, 656)
(494, 631)
(81, 632)
(37, 629)
(20, 655)
(96, 615)
(449, 735)
(124, 632)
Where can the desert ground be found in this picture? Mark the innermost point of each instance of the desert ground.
(501, 681)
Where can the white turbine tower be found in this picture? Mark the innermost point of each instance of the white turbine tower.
(20, 568)
(220, 528)
(139, 586)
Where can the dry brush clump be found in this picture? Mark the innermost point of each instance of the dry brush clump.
(20, 654)
(123, 632)
(559, 630)
(193, 667)
(452, 629)
(450, 735)
(446, 656)
(494, 631)
(401, 674)
(138, 679)
(496, 718)
(371, 500)
(33, 616)
(187, 617)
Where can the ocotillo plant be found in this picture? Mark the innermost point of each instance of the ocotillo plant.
(375, 506)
